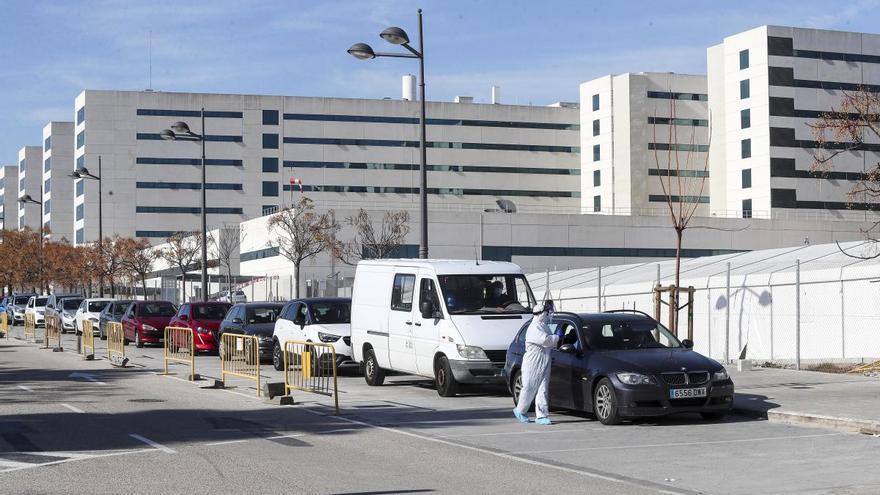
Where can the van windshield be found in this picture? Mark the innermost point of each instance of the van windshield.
(486, 294)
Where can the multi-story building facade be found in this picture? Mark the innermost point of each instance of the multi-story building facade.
(640, 133)
(57, 182)
(766, 86)
(343, 151)
(30, 182)
(9, 196)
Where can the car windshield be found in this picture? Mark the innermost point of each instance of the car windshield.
(71, 303)
(21, 299)
(156, 309)
(263, 314)
(210, 312)
(486, 294)
(119, 307)
(41, 301)
(628, 335)
(331, 312)
(97, 306)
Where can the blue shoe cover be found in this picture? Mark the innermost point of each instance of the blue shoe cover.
(543, 421)
(520, 416)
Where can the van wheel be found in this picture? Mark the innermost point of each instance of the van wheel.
(373, 374)
(446, 384)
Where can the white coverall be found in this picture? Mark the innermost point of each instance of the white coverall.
(536, 366)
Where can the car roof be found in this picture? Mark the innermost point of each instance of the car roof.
(321, 299)
(604, 317)
(261, 303)
(141, 301)
(208, 303)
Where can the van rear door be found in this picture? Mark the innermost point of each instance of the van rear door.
(401, 351)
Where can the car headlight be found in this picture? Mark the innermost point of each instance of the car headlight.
(40, 312)
(93, 319)
(635, 379)
(66, 314)
(471, 352)
(327, 337)
(202, 330)
(148, 328)
(720, 376)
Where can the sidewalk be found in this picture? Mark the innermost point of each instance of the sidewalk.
(848, 402)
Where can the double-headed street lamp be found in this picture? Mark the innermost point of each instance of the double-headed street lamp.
(180, 131)
(363, 51)
(83, 173)
(24, 200)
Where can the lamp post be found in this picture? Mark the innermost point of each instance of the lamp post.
(28, 199)
(83, 173)
(363, 51)
(181, 131)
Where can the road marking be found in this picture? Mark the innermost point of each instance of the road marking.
(533, 432)
(68, 457)
(87, 376)
(151, 443)
(26, 389)
(509, 456)
(74, 409)
(227, 442)
(680, 444)
(292, 435)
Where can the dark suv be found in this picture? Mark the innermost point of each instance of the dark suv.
(620, 365)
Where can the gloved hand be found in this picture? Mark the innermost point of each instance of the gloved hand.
(560, 333)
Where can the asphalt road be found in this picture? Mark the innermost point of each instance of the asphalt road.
(74, 426)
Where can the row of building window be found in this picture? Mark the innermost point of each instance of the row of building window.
(156, 112)
(433, 144)
(415, 167)
(188, 209)
(430, 121)
(80, 115)
(671, 121)
(442, 191)
(149, 136)
(47, 143)
(47, 186)
(662, 172)
(197, 186)
(784, 47)
(670, 95)
(47, 164)
(81, 139)
(80, 186)
(661, 198)
(188, 161)
(700, 148)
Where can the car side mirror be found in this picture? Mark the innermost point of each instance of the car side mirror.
(687, 343)
(567, 348)
(237, 321)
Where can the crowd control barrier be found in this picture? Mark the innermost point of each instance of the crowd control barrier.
(240, 356)
(180, 348)
(30, 328)
(310, 367)
(4, 324)
(53, 331)
(116, 344)
(87, 348)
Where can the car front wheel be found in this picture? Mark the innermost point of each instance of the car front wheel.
(277, 357)
(605, 403)
(137, 340)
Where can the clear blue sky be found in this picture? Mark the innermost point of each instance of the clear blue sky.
(537, 51)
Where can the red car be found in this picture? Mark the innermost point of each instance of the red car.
(203, 318)
(144, 322)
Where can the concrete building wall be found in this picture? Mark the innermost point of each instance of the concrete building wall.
(9, 196)
(30, 173)
(58, 161)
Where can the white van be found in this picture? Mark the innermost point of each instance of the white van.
(449, 320)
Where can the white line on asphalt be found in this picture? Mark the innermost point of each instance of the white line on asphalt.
(74, 409)
(292, 435)
(26, 389)
(502, 455)
(151, 443)
(532, 432)
(73, 457)
(226, 442)
(680, 444)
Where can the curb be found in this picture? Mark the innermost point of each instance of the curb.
(864, 426)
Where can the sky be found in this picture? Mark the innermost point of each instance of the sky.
(537, 51)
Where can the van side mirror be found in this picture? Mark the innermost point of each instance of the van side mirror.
(687, 343)
(429, 310)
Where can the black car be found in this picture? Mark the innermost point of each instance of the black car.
(620, 365)
(256, 318)
(111, 312)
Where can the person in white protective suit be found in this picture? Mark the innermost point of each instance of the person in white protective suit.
(540, 340)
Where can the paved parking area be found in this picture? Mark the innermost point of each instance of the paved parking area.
(399, 438)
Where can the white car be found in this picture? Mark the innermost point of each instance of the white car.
(324, 319)
(234, 296)
(89, 309)
(36, 306)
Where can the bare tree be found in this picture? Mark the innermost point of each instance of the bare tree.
(299, 234)
(682, 175)
(229, 243)
(138, 258)
(848, 128)
(182, 251)
(369, 243)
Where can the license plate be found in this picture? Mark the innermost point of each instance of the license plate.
(687, 393)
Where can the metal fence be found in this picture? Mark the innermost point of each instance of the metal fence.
(4, 324)
(180, 348)
(116, 344)
(87, 347)
(240, 356)
(53, 331)
(310, 367)
(30, 328)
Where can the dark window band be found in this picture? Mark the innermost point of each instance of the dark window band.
(189, 185)
(434, 190)
(414, 120)
(164, 234)
(783, 47)
(662, 172)
(784, 77)
(187, 161)
(666, 95)
(259, 254)
(701, 148)
(188, 113)
(147, 136)
(668, 121)
(432, 168)
(432, 144)
(787, 198)
(660, 198)
(506, 253)
(186, 209)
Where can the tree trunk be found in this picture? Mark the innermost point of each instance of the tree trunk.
(144, 285)
(182, 286)
(296, 280)
(673, 304)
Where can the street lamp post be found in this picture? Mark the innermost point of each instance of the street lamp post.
(181, 131)
(363, 51)
(83, 173)
(28, 199)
